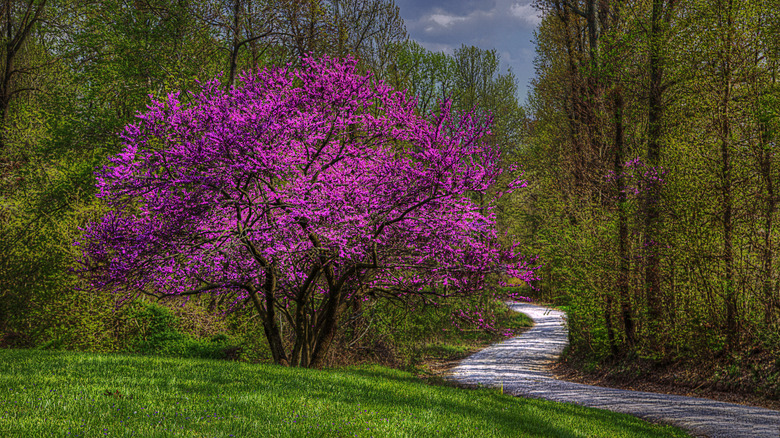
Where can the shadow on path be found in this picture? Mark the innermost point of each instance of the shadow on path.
(520, 365)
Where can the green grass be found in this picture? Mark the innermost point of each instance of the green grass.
(457, 344)
(67, 394)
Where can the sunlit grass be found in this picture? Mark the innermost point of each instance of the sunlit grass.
(65, 394)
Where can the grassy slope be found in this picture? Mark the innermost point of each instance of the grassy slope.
(76, 394)
(435, 357)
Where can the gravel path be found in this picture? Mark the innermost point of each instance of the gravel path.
(520, 365)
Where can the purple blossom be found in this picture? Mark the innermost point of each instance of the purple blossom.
(299, 191)
(637, 177)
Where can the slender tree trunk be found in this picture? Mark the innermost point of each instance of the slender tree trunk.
(341, 48)
(769, 211)
(728, 228)
(652, 195)
(726, 180)
(573, 100)
(594, 29)
(595, 105)
(770, 304)
(7, 66)
(623, 260)
(236, 45)
(613, 347)
(592, 106)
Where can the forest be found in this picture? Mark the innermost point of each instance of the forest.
(647, 143)
(653, 171)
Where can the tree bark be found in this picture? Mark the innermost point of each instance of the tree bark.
(268, 313)
(652, 195)
(326, 328)
(13, 38)
(613, 347)
(236, 45)
(770, 206)
(732, 336)
(771, 304)
(623, 243)
(573, 101)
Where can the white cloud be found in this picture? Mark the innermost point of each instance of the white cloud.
(526, 13)
(446, 20)
(505, 25)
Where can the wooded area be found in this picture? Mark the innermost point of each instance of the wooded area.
(648, 142)
(76, 72)
(652, 167)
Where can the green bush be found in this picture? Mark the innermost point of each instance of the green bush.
(158, 335)
(410, 331)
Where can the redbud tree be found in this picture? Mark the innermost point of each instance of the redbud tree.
(296, 194)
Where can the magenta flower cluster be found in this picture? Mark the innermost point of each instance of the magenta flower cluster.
(638, 177)
(301, 186)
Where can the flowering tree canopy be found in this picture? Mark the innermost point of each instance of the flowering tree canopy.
(298, 192)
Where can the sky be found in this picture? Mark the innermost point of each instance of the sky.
(504, 25)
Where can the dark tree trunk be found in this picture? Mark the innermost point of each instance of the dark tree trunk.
(728, 233)
(732, 336)
(13, 38)
(326, 327)
(236, 45)
(765, 154)
(268, 313)
(728, 226)
(574, 98)
(613, 347)
(652, 195)
(771, 303)
(623, 260)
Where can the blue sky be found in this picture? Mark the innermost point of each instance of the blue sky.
(504, 25)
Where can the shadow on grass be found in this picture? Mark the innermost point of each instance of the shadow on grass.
(277, 394)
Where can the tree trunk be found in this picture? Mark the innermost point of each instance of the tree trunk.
(623, 243)
(326, 328)
(652, 195)
(732, 337)
(769, 212)
(592, 16)
(765, 153)
(613, 347)
(236, 45)
(268, 313)
(574, 104)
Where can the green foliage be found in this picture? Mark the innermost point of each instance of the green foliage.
(586, 321)
(92, 67)
(410, 332)
(595, 105)
(36, 246)
(427, 75)
(157, 334)
(470, 78)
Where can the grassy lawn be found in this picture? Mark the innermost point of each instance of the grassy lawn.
(66, 394)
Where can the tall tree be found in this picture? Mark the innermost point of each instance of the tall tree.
(766, 100)
(326, 205)
(367, 29)
(660, 22)
(423, 74)
(18, 22)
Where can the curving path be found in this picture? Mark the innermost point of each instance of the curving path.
(520, 365)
